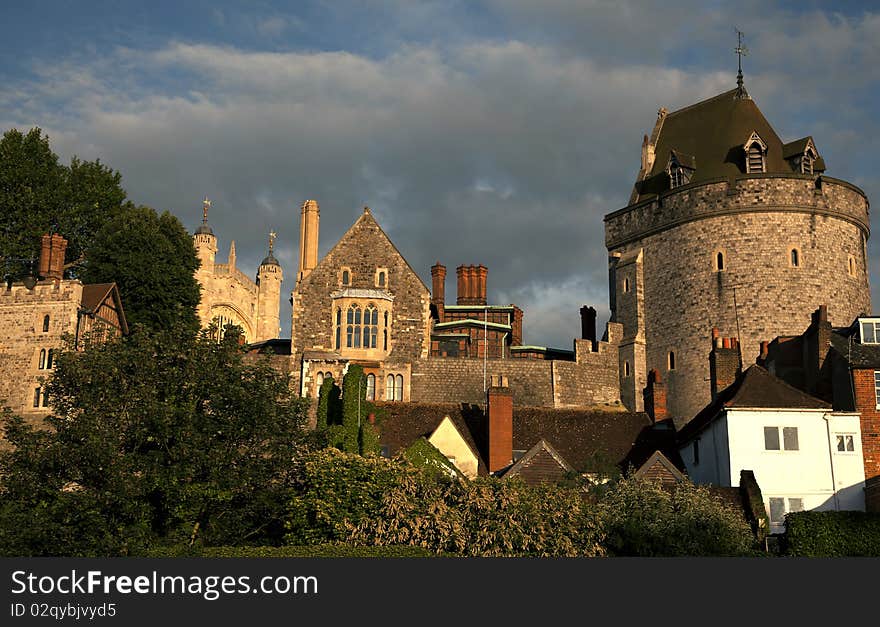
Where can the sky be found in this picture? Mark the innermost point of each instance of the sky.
(479, 132)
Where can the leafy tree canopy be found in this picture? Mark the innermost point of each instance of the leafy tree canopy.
(40, 195)
(159, 438)
(152, 260)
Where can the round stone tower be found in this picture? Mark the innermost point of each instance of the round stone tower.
(728, 227)
(269, 278)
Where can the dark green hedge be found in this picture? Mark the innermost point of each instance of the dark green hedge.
(318, 550)
(831, 534)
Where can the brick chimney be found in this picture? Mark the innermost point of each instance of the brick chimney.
(499, 403)
(725, 362)
(481, 273)
(52, 250)
(461, 297)
(438, 289)
(655, 397)
(588, 326)
(817, 344)
(516, 328)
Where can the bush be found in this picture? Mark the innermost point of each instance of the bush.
(831, 534)
(318, 550)
(643, 519)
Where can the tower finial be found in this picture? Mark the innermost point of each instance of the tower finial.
(206, 204)
(740, 51)
(272, 236)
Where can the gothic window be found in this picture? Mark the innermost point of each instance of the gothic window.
(371, 322)
(385, 333)
(626, 368)
(338, 327)
(371, 387)
(719, 261)
(389, 387)
(45, 398)
(46, 323)
(42, 365)
(353, 330)
(346, 277)
(380, 278)
(49, 357)
(36, 397)
(398, 387)
(795, 258)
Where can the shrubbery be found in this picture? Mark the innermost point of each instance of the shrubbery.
(831, 534)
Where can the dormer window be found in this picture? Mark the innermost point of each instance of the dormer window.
(680, 169)
(802, 156)
(870, 330)
(755, 151)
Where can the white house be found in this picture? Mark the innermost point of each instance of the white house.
(805, 456)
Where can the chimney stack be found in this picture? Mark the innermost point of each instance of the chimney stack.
(588, 325)
(462, 285)
(725, 362)
(655, 397)
(52, 250)
(481, 272)
(438, 288)
(499, 403)
(310, 217)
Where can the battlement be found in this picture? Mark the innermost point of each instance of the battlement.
(744, 194)
(44, 292)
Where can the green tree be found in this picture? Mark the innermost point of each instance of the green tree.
(161, 437)
(152, 259)
(40, 195)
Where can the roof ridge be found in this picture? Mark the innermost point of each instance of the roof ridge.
(761, 371)
(701, 102)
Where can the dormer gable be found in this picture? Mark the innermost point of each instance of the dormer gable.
(680, 167)
(803, 157)
(755, 152)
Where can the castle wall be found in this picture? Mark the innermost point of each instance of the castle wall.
(754, 221)
(22, 312)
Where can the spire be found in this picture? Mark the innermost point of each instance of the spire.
(205, 229)
(740, 50)
(232, 255)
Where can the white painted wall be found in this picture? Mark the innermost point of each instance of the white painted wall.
(735, 442)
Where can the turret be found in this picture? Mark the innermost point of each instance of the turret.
(269, 278)
(205, 241)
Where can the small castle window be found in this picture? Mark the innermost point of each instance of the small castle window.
(670, 362)
(338, 327)
(49, 358)
(346, 277)
(794, 257)
(36, 397)
(46, 323)
(380, 278)
(42, 365)
(719, 261)
(626, 285)
(371, 387)
(626, 368)
(851, 266)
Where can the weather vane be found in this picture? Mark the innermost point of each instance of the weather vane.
(206, 204)
(272, 236)
(740, 51)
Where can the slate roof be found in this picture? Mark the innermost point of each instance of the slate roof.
(710, 134)
(588, 440)
(846, 343)
(755, 388)
(542, 463)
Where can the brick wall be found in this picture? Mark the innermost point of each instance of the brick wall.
(866, 404)
(754, 221)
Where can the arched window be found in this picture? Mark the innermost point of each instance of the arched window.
(338, 327)
(381, 279)
(626, 368)
(371, 387)
(671, 360)
(46, 323)
(719, 261)
(49, 358)
(385, 340)
(371, 322)
(45, 398)
(389, 387)
(852, 266)
(398, 387)
(36, 397)
(42, 365)
(795, 258)
(353, 330)
(319, 380)
(346, 277)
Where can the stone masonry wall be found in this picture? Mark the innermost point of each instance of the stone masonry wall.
(22, 338)
(754, 223)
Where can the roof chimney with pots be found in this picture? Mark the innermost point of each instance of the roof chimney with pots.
(725, 362)
(655, 397)
(52, 250)
(438, 289)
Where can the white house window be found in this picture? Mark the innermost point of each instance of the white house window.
(788, 441)
(877, 387)
(870, 329)
(780, 506)
(845, 443)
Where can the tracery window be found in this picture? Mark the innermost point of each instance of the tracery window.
(371, 325)
(353, 330)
